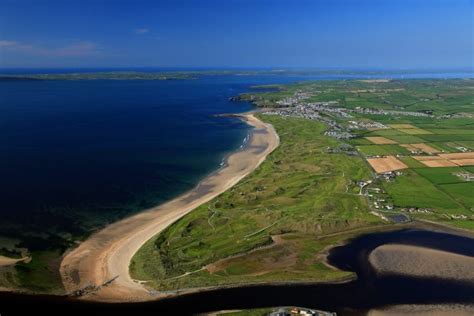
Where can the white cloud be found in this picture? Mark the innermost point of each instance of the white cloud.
(81, 48)
(76, 49)
(5, 43)
(142, 31)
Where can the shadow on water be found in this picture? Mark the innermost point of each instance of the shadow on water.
(368, 291)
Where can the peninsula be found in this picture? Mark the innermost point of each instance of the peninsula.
(106, 255)
(356, 156)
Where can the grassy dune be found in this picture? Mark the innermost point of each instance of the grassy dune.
(298, 193)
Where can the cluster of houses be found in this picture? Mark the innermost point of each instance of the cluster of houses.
(310, 111)
(296, 108)
(297, 97)
(380, 203)
(456, 115)
(425, 210)
(339, 134)
(299, 111)
(417, 210)
(466, 176)
(373, 194)
(388, 175)
(360, 125)
(390, 112)
(456, 216)
(314, 111)
(462, 149)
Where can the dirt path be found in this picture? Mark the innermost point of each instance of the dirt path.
(107, 254)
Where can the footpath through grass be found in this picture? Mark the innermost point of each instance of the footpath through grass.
(298, 193)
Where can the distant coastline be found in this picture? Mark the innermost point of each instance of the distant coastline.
(188, 74)
(115, 75)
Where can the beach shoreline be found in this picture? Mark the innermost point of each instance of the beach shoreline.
(105, 256)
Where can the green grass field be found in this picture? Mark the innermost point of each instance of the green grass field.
(373, 150)
(406, 139)
(302, 193)
(438, 96)
(389, 133)
(299, 191)
(462, 193)
(413, 190)
(441, 175)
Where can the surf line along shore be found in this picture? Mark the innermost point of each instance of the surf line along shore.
(106, 255)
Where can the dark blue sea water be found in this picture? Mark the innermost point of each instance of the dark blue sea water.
(75, 155)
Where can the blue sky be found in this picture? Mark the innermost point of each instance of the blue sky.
(398, 34)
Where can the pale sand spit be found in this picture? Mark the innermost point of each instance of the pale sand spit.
(107, 253)
(7, 261)
(422, 262)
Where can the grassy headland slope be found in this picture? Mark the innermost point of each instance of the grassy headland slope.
(298, 195)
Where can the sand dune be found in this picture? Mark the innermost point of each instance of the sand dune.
(107, 253)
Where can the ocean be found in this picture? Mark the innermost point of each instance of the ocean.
(76, 155)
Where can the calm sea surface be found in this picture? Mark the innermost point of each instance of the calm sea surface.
(75, 155)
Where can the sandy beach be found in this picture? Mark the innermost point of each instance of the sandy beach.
(427, 263)
(106, 255)
(7, 261)
(421, 262)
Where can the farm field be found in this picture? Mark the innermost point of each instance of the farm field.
(431, 147)
(461, 192)
(433, 187)
(277, 223)
(386, 164)
(378, 150)
(413, 190)
(441, 175)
